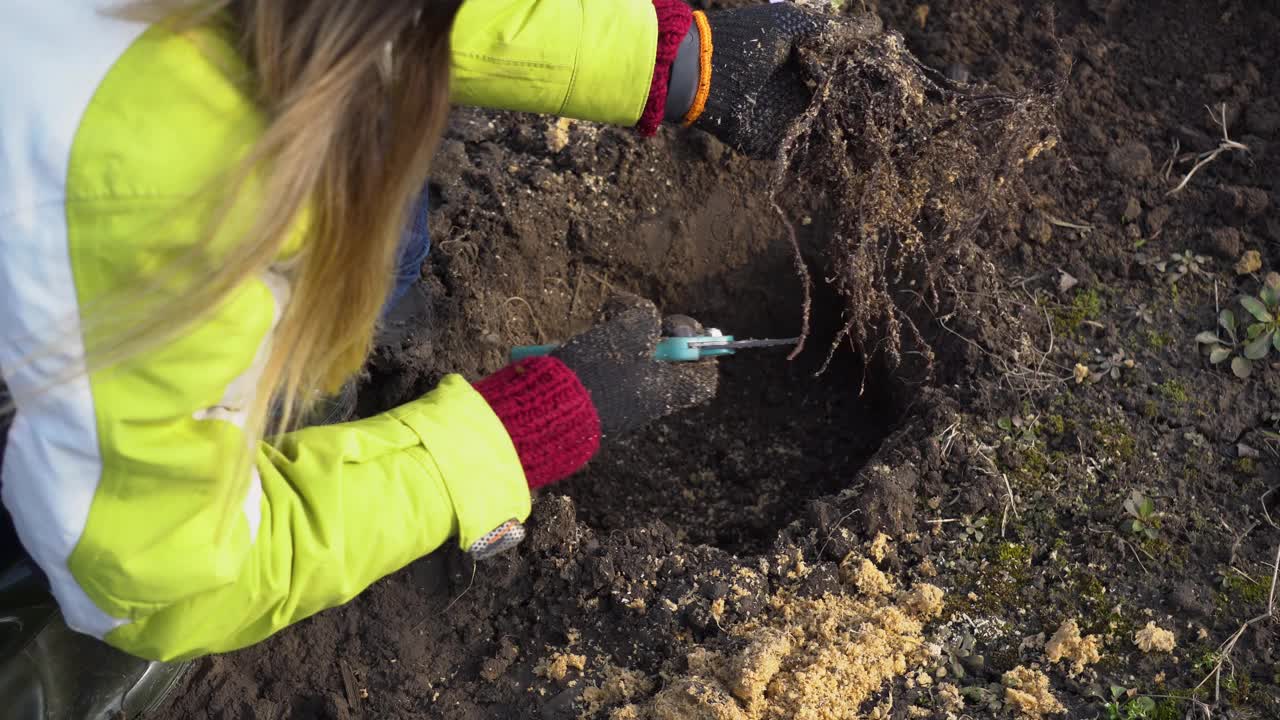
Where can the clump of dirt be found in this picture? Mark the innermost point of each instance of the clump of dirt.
(1067, 644)
(557, 666)
(865, 576)
(1027, 692)
(907, 165)
(619, 685)
(1154, 638)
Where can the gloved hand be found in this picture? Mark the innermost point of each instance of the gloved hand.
(745, 85)
(601, 383)
(614, 361)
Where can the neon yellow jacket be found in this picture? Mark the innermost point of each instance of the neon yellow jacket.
(109, 131)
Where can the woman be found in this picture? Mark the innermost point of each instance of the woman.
(201, 209)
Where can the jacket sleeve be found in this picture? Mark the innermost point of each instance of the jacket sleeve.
(585, 59)
(325, 512)
(190, 552)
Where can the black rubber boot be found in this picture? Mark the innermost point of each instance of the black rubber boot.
(50, 672)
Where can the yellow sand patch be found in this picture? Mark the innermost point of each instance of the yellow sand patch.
(806, 659)
(1067, 644)
(864, 575)
(556, 667)
(1154, 639)
(1027, 693)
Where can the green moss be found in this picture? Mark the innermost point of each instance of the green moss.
(1034, 463)
(1150, 410)
(1012, 556)
(1172, 707)
(1115, 438)
(1158, 340)
(1156, 546)
(1091, 594)
(1246, 466)
(1206, 662)
(1174, 391)
(1239, 689)
(1055, 425)
(1004, 573)
(1238, 590)
(1087, 305)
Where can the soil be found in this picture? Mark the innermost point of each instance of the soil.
(1071, 470)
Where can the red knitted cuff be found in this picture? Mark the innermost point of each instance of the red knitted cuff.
(674, 19)
(548, 414)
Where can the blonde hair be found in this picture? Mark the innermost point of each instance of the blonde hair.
(355, 97)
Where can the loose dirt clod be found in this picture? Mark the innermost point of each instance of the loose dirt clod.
(1250, 262)
(1067, 644)
(753, 669)
(950, 699)
(1153, 638)
(865, 576)
(1027, 693)
(924, 601)
(879, 547)
(556, 666)
(909, 164)
(619, 685)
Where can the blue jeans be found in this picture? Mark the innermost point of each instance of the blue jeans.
(413, 251)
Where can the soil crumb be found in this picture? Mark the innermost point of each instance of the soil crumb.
(556, 666)
(618, 685)
(626, 712)
(879, 547)
(1153, 638)
(1067, 644)
(950, 699)
(924, 601)
(865, 576)
(1027, 693)
(812, 658)
(909, 164)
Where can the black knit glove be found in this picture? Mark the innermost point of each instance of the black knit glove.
(614, 361)
(756, 87)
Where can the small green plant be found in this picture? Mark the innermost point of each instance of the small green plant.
(1143, 313)
(1187, 263)
(1257, 340)
(1178, 266)
(1109, 366)
(1019, 429)
(1128, 705)
(1207, 662)
(1144, 520)
(974, 530)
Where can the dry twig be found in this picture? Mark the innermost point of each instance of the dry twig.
(1204, 158)
(1069, 225)
(1011, 503)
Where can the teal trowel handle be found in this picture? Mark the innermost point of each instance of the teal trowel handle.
(672, 349)
(525, 352)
